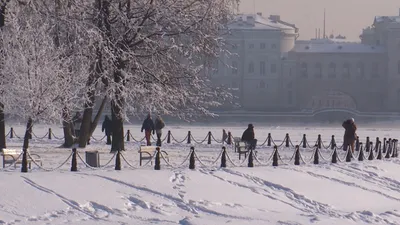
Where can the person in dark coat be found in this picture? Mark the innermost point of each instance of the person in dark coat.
(107, 127)
(248, 137)
(224, 136)
(158, 126)
(148, 127)
(350, 135)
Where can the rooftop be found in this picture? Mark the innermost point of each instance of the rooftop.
(257, 21)
(335, 46)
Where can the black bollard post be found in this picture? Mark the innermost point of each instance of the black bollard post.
(304, 141)
(250, 163)
(11, 132)
(389, 149)
(169, 137)
(316, 155)
(287, 140)
(229, 142)
(269, 140)
(357, 144)
(74, 164)
(319, 141)
(128, 135)
(297, 156)
(376, 144)
(118, 160)
(333, 142)
(334, 156)
(379, 156)
(395, 153)
(361, 154)
(349, 154)
(157, 160)
(189, 136)
(367, 145)
(191, 160)
(275, 157)
(24, 166)
(384, 145)
(209, 138)
(371, 153)
(223, 157)
(49, 133)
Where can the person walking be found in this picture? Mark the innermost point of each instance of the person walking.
(350, 135)
(148, 127)
(224, 136)
(107, 127)
(158, 126)
(249, 137)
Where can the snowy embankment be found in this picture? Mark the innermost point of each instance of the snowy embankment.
(365, 192)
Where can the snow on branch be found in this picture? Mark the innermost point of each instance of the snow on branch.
(160, 50)
(44, 72)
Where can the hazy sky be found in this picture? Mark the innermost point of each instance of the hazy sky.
(346, 17)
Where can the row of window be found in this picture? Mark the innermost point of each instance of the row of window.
(253, 46)
(333, 69)
(251, 68)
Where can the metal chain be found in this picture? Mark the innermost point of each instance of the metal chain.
(219, 142)
(179, 142)
(200, 142)
(56, 136)
(176, 167)
(15, 134)
(49, 169)
(264, 142)
(100, 138)
(135, 139)
(130, 165)
(269, 159)
(202, 163)
(96, 168)
(9, 132)
(39, 137)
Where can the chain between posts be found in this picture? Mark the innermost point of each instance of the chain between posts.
(49, 169)
(96, 168)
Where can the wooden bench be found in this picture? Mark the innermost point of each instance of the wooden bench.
(147, 153)
(10, 156)
(236, 141)
(243, 149)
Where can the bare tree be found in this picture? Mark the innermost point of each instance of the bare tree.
(153, 55)
(45, 77)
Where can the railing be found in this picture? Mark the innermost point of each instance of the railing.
(381, 151)
(189, 139)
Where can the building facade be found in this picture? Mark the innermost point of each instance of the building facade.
(268, 69)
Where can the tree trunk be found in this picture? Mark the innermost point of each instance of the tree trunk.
(85, 127)
(2, 128)
(2, 123)
(116, 111)
(67, 129)
(117, 143)
(97, 117)
(28, 133)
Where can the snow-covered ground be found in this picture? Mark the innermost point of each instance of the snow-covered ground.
(365, 192)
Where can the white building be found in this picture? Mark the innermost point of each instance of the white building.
(254, 63)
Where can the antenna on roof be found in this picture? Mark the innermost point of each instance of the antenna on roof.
(254, 6)
(324, 25)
